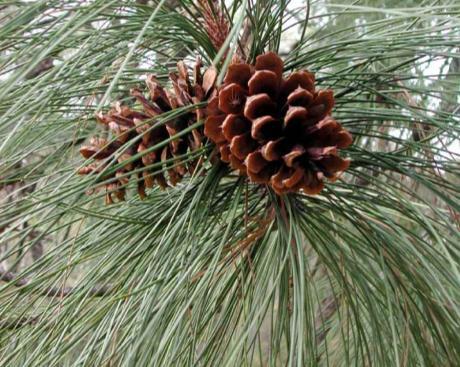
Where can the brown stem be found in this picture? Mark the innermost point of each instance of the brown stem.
(97, 291)
(215, 22)
(327, 309)
(9, 324)
(243, 43)
(43, 66)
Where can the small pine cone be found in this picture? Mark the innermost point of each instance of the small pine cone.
(137, 131)
(277, 131)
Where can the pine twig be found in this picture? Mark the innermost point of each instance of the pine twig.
(327, 309)
(44, 65)
(215, 22)
(60, 292)
(9, 324)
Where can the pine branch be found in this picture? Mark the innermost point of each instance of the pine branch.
(205, 265)
(58, 292)
(14, 324)
(44, 65)
(326, 311)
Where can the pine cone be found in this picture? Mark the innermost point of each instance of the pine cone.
(277, 131)
(127, 124)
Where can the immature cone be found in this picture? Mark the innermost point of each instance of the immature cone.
(127, 124)
(277, 131)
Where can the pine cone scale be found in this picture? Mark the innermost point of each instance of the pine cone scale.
(238, 74)
(259, 105)
(266, 128)
(232, 99)
(264, 82)
(271, 62)
(274, 149)
(209, 80)
(242, 145)
(235, 125)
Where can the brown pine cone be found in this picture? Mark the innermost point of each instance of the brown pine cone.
(278, 131)
(127, 124)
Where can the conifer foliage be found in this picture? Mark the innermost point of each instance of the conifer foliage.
(298, 179)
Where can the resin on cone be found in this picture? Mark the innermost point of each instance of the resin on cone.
(138, 131)
(278, 131)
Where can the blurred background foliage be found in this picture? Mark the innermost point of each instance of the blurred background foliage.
(217, 271)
